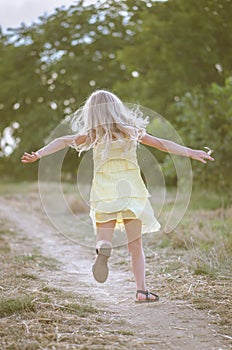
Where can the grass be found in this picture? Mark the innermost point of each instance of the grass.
(208, 200)
(192, 263)
(28, 276)
(43, 261)
(81, 309)
(206, 237)
(36, 315)
(12, 187)
(10, 306)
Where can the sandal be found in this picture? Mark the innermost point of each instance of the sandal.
(100, 268)
(148, 297)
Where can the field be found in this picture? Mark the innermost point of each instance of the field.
(49, 299)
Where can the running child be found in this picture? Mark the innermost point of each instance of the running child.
(118, 193)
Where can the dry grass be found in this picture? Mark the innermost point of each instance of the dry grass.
(195, 264)
(35, 316)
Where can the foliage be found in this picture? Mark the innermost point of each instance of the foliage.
(48, 69)
(151, 52)
(205, 119)
(182, 45)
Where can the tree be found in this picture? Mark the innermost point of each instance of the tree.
(179, 45)
(149, 52)
(205, 119)
(48, 69)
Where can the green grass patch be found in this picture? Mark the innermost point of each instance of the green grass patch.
(42, 261)
(7, 232)
(4, 246)
(27, 276)
(13, 187)
(48, 289)
(125, 332)
(81, 309)
(204, 269)
(21, 304)
(208, 200)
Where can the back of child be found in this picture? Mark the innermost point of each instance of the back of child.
(118, 193)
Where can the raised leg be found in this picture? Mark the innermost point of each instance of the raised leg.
(103, 249)
(105, 230)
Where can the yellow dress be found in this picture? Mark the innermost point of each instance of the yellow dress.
(118, 191)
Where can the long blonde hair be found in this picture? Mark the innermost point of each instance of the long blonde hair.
(105, 118)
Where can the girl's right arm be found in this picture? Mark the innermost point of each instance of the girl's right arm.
(52, 147)
(174, 148)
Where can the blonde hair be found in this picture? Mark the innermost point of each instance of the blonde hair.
(105, 118)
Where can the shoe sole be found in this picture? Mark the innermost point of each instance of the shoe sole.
(100, 268)
(147, 301)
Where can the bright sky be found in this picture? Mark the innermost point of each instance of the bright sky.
(14, 12)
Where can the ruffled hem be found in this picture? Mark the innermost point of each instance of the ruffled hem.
(140, 209)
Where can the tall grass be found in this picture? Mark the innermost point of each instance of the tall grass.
(205, 234)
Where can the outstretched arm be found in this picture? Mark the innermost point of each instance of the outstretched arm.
(52, 147)
(174, 148)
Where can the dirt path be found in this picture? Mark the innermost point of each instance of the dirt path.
(165, 325)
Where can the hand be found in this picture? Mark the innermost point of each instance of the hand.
(29, 157)
(201, 156)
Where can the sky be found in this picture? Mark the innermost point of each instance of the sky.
(14, 12)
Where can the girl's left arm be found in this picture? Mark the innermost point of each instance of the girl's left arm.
(174, 148)
(54, 146)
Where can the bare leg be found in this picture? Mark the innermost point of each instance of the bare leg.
(105, 230)
(135, 247)
(103, 248)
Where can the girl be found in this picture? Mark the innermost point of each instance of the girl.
(118, 192)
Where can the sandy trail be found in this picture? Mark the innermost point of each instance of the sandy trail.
(165, 325)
